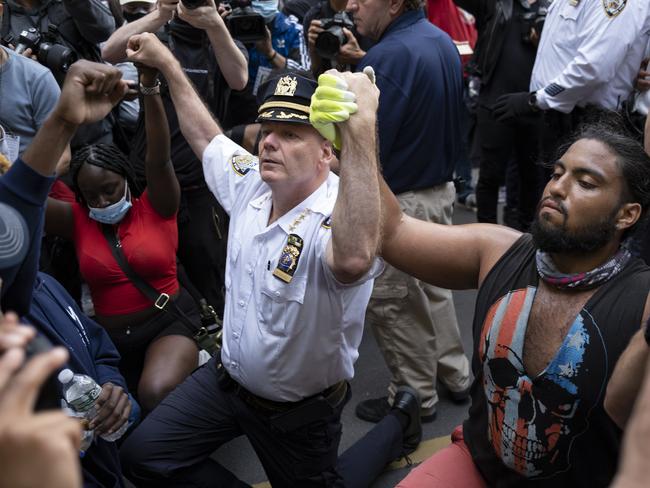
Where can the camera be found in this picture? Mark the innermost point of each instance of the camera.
(329, 42)
(49, 396)
(532, 24)
(244, 23)
(192, 4)
(56, 57)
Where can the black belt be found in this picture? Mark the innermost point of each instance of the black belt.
(333, 395)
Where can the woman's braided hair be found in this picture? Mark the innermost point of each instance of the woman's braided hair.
(107, 156)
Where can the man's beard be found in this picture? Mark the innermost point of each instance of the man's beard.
(583, 239)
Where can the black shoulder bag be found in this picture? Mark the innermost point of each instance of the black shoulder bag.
(208, 337)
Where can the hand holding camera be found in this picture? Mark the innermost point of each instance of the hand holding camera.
(48, 440)
(45, 50)
(201, 14)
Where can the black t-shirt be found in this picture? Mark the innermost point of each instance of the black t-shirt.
(550, 430)
(323, 10)
(193, 50)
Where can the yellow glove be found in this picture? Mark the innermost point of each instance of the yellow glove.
(333, 103)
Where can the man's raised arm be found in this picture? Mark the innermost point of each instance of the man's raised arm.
(356, 217)
(196, 123)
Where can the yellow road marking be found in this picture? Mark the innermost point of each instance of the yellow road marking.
(425, 450)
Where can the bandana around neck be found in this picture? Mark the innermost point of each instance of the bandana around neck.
(585, 280)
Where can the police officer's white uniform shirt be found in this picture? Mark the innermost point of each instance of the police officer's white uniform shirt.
(589, 56)
(282, 341)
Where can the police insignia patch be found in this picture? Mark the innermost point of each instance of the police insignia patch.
(288, 261)
(614, 7)
(327, 223)
(242, 164)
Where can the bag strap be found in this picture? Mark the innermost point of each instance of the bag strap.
(160, 300)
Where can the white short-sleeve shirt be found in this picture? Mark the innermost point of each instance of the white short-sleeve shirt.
(282, 341)
(590, 53)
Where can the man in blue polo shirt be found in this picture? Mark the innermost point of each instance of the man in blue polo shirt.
(419, 75)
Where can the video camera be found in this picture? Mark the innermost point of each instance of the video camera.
(56, 57)
(329, 42)
(244, 23)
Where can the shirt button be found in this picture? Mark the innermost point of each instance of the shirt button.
(249, 270)
(233, 364)
(235, 335)
(277, 293)
(241, 303)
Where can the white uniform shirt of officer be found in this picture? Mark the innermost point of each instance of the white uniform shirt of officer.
(282, 341)
(590, 53)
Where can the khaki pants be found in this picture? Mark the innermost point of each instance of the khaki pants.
(415, 323)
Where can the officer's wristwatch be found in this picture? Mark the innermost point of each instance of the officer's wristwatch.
(150, 90)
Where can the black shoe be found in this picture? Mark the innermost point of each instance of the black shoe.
(373, 410)
(407, 401)
(459, 396)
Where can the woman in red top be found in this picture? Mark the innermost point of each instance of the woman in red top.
(158, 351)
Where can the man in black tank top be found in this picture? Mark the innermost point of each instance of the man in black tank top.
(555, 310)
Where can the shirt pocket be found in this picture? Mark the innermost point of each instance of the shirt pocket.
(280, 303)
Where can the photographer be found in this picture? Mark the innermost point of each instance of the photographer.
(281, 47)
(34, 93)
(342, 47)
(215, 63)
(58, 32)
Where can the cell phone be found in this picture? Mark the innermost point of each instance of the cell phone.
(49, 397)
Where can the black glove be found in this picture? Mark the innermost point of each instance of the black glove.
(514, 105)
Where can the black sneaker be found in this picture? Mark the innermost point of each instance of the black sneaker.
(375, 409)
(407, 401)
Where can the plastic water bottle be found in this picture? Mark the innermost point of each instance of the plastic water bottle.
(81, 393)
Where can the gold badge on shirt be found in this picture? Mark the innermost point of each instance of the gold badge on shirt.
(614, 7)
(288, 261)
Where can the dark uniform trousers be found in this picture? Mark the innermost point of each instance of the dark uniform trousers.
(172, 446)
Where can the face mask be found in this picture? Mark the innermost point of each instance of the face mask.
(266, 8)
(113, 213)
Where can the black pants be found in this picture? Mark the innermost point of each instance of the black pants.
(171, 447)
(202, 243)
(499, 144)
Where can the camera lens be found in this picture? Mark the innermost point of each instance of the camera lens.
(56, 57)
(329, 42)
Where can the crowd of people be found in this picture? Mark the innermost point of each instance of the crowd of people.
(271, 177)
